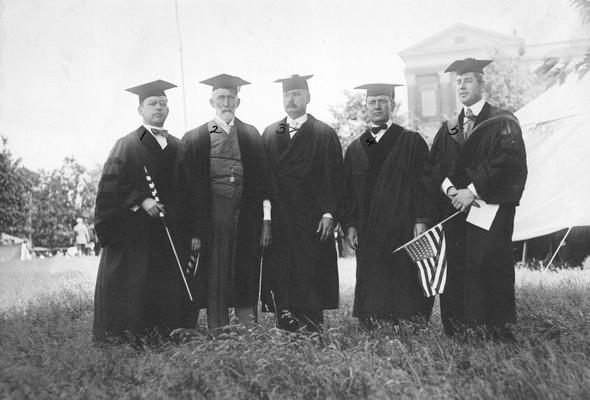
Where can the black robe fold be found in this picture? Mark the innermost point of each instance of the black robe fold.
(139, 285)
(383, 198)
(299, 270)
(256, 187)
(480, 274)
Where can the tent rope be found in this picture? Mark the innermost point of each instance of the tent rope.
(558, 247)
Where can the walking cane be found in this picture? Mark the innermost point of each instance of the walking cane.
(155, 195)
(260, 274)
(260, 282)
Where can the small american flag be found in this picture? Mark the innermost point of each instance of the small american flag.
(429, 254)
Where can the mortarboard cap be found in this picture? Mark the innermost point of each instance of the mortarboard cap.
(376, 89)
(294, 82)
(468, 65)
(225, 81)
(155, 88)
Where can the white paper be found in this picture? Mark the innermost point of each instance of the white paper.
(484, 215)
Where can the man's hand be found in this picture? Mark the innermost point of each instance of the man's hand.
(326, 227)
(452, 192)
(195, 244)
(419, 228)
(463, 200)
(352, 238)
(266, 236)
(152, 207)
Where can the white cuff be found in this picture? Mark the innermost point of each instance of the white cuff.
(134, 208)
(471, 187)
(266, 207)
(327, 215)
(446, 185)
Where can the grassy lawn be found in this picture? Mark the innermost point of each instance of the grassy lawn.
(46, 349)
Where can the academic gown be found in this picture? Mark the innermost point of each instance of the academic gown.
(480, 274)
(384, 198)
(139, 286)
(255, 188)
(299, 271)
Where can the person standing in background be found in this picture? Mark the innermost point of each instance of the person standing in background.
(82, 236)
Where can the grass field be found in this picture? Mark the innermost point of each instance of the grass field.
(46, 349)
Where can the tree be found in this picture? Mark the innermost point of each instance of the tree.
(556, 69)
(61, 196)
(509, 84)
(351, 118)
(583, 6)
(15, 196)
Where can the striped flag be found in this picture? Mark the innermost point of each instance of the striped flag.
(428, 251)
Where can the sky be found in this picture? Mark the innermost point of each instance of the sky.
(64, 64)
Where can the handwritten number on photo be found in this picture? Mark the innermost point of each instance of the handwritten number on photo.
(283, 129)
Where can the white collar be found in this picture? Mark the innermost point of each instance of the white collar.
(388, 123)
(299, 120)
(226, 126)
(150, 127)
(475, 108)
(380, 134)
(162, 141)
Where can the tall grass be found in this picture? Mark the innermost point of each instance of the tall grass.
(46, 352)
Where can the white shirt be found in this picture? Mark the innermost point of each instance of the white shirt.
(475, 108)
(225, 126)
(447, 184)
(295, 124)
(161, 139)
(377, 137)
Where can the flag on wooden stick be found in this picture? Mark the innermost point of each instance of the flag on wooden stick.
(428, 251)
(429, 254)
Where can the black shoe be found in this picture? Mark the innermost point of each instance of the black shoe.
(288, 322)
(184, 335)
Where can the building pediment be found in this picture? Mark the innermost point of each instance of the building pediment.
(459, 38)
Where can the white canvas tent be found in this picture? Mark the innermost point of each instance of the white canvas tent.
(556, 132)
(13, 248)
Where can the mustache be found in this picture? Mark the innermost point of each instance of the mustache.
(291, 104)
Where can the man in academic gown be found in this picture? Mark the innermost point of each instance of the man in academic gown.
(229, 168)
(139, 286)
(478, 157)
(300, 272)
(384, 208)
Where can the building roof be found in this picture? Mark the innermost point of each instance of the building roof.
(460, 38)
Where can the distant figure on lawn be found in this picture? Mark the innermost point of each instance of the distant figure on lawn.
(93, 239)
(82, 237)
(383, 208)
(139, 288)
(228, 164)
(479, 156)
(300, 271)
